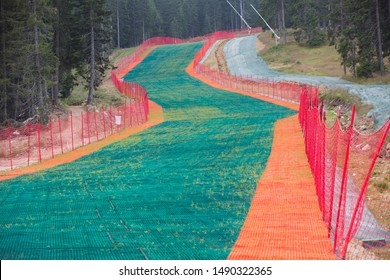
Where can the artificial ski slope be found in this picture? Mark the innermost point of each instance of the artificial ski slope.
(179, 190)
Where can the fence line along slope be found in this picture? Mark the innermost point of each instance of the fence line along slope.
(180, 190)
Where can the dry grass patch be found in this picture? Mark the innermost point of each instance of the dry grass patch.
(293, 58)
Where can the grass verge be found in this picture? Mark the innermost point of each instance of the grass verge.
(106, 94)
(293, 58)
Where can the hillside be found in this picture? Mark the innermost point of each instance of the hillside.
(293, 58)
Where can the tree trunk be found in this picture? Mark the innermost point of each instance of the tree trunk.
(379, 40)
(4, 65)
(40, 82)
(143, 30)
(342, 28)
(118, 24)
(54, 97)
(242, 13)
(92, 62)
(284, 33)
(232, 20)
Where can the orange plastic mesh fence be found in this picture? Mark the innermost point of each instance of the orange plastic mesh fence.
(279, 90)
(33, 143)
(342, 161)
(284, 220)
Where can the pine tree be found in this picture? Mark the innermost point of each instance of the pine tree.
(3, 69)
(357, 34)
(306, 20)
(92, 33)
(28, 61)
(379, 39)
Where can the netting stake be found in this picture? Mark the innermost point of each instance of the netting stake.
(28, 140)
(71, 128)
(343, 182)
(82, 128)
(130, 114)
(51, 138)
(59, 126)
(333, 172)
(104, 122)
(88, 127)
(96, 127)
(359, 206)
(39, 141)
(9, 143)
(111, 120)
(273, 89)
(124, 115)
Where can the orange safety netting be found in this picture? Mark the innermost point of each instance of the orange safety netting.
(342, 161)
(155, 117)
(288, 92)
(191, 71)
(35, 142)
(284, 221)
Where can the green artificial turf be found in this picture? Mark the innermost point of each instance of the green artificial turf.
(179, 190)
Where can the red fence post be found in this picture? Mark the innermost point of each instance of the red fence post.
(111, 119)
(51, 138)
(89, 132)
(322, 157)
(39, 141)
(104, 122)
(96, 127)
(59, 126)
(118, 127)
(71, 129)
(130, 114)
(82, 128)
(124, 115)
(9, 143)
(29, 145)
(323, 168)
(333, 171)
(273, 89)
(343, 191)
(359, 204)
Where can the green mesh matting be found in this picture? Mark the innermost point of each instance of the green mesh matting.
(179, 190)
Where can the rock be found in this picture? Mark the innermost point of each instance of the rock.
(388, 146)
(363, 127)
(366, 148)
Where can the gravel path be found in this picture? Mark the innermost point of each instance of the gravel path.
(242, 60)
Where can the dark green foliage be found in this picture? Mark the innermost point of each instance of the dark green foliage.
(365, 69)
(138, 21)
(306, 20)
(27, 59)
(46, 50)
(354, 34)
(93, 34)
(42, 43)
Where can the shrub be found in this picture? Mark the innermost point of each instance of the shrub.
(316, 39)
(310, 38)
(365, 69)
